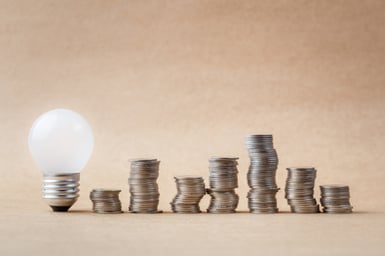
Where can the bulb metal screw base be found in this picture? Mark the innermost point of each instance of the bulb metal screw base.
(60, 191)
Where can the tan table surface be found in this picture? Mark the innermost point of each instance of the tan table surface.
(41, 232)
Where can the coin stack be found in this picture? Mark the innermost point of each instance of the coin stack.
(106, 201)
(335, 199)
(190, 189)
(299, 190)
(223, 182)
(261, 174)
(144, 189)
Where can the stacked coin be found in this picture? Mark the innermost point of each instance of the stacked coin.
(190, 189)
(223, 182)
(299, 190)
(261, 174)
(262, 200)
(335, 199)
(106, 201)
(144, 189)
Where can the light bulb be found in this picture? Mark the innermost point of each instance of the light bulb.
(61, 143)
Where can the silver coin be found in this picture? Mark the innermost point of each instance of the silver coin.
(143, 187)
(299, 189)
(335, 199)
(261, 173)
(106, 200)
(190, 190)
(223, 179)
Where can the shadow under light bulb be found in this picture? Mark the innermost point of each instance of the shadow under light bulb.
(61, 143)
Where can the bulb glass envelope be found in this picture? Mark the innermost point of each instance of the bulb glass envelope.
(61, 141)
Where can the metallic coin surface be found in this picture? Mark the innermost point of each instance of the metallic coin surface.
(223, 180)
(335, 199)
(106, 200)
(143, 186)
(299, 190)
(261, 174)
(190, 189)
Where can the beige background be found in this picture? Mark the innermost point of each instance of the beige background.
(185, 80)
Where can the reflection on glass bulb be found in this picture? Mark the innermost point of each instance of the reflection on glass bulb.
(61, 143)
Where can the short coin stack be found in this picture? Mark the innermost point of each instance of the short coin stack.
(335, 199)
(143, 186)
(299, 190)
(223, 182)
(106, 201)
(190, 189)
(261, 174)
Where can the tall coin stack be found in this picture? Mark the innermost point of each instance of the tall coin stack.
(106, 201)
(261, 174)
(190, 189)
(223, 182)
(299, 190)
(143, 186)
(335, 199)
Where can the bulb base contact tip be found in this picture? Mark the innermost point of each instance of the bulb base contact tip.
(60, 208)
(61, 191)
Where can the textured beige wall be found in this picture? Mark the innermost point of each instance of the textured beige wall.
(185, 80)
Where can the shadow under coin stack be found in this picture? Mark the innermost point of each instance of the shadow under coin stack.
(143, 186)
(106, 201)
(223, 182)
(190, 189)
(261, 174)
(299, 190)
(335, 199)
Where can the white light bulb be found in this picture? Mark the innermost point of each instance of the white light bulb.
(61, 143)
